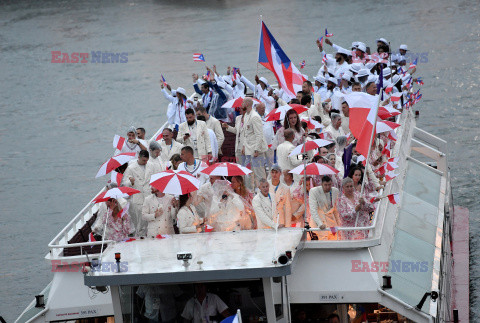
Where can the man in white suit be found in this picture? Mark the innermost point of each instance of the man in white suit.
(323, 200)
(284, 149)
(168, 145)
(154, 164)
(159, 213)
(239, 136)
(194, 133)
(281, 194)
(254, 146)
(134, 177)
(264, 207)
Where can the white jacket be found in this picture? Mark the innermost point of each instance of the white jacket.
(239, 134)
(138, 173)
(281, 195)
(264, 211)
(154, 165)
(320, 201)
(202, 146)
(169, 150)
(162, 224)
(216, 126)
(284, 161)
(253, 132)
(187, 220)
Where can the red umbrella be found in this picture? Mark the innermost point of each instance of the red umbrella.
(114, 162)
(237, 103)
(115, 193)
(280, 112)
(226, 169)
(175, 182)
(315, 169)
(309, 145)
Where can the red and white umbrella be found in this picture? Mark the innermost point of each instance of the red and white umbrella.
(315, 169)
(280, 112)
(309, 145)
(312, 124)
(115, 193)
(114, 162)
(226, 169)
(175, 182)
(384, 126)
(387, 112)
(237, 103)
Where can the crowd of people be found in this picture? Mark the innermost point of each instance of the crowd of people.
(271, 197)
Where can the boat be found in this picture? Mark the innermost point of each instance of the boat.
(403, 271)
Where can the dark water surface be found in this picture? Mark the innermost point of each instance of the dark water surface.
(57, 120)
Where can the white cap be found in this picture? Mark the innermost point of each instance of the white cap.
(264, 80)
(370, 65)
(387, 71)
(182, 91)
(355, 67)
(331, 70)
(362, 72)
(403, 46)
(201, 81)
(320, 79)
(372, 78)
(347, 75)
(355, 44)
(383, 40)
(362, 47)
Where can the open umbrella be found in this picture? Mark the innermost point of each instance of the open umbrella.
(237, 103)
(114, 162)
(115, 193)
(309, 145)
(175, 182)
(226, 169)
(280, 112)
(315, 169)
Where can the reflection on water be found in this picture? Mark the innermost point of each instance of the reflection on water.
(57, 120)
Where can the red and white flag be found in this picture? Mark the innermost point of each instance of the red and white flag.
(392, 135)
(384, 126)
(163, 236)
(91, 238)
(390, 175)
(363, 111)
(208, 228)
(394, 198)
(116, 177)
(395, 97)
(124, 211)
(333, 230)
(388, 89)
(118, 142)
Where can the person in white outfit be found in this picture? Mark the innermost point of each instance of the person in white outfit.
(134, 177)
(154, 164)
(194, 133)
(178, 105)
(168, 145)
(159, 213)
(322, 200)
(132, 143)
(188, 220)
(226, 207)
(281, 194)
(215, 125)
(285, 161)
(265, 208)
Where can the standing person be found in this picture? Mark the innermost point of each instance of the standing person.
(159, 213)
(194, 133)
(285, 161)
(213, 124)
(268, 132)
(354, 210)
(192, 165)
(154, 164)
(118, 223)
(134, 177)
(177, 106)
(281, 193)
(226, 208)
(292, 121)
(159, 302)
(188, 220)
(335, 130)
(132, 144)
(265, 208)
(247, 218)
(168, 145)
(323, 201)
(239, 136)
(141, 136)
(254, 146)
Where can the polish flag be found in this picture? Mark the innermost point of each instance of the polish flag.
(387, 150)
(124, 211)
(384, 126)
(91, 238)
(160, 136)
(392, 135)
(116, 177)
(163, 236)
(395, 97)
(118, 142)
(386, 112)
(388, 89)
(390, 175)
(208, 228)
(363, 112)
(394, 198)
(333, 230)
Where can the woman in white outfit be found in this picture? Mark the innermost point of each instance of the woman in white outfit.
(188, 220)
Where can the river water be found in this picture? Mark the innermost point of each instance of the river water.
(57, 120)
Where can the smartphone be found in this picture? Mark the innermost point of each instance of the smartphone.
(195, 99)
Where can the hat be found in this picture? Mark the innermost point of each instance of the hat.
(132, 129)
(372, 78)
(330, 79)
(354, 44)
(264, 80)
(383, 40)
(355, 67)
(362, 47)
(181, 90)
(347, 75)
(404, 47)
(362, 72)
(387, 71)
(370, 65)
(344, 51)
(320, 79)
(201, 81)
(276, 167)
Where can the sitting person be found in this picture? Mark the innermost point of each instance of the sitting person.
(354, 210)
(188, 220)
(203, 306)
(226, 207)
(247, 218)
(159, 213)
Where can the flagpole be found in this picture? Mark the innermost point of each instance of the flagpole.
(258, 51)
(103, 236)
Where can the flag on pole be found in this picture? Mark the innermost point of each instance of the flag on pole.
(321, 41)
(302, 64)
(324, 59)
(118, 142)
(163, 80)
(91, 238)
(419, 81)
(198, 57)
(390, 175)
(394, 198)
(272, 57)
(380, 83)
(231, 319)
(413, 64)
(124, 211)
(327, 34)
(363, 110)
(208, 228)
